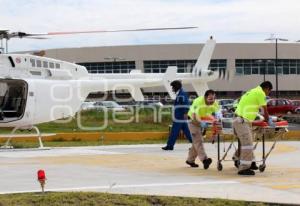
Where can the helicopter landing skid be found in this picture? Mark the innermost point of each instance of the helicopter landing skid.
(7, 144)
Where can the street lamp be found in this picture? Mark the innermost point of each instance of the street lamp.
(276, 60)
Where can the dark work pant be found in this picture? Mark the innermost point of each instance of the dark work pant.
(176, 127)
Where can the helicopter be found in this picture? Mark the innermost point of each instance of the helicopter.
(36, 89)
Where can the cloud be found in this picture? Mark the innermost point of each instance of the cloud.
(227, 20)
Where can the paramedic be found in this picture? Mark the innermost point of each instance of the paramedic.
(202, 106)
(246, 112)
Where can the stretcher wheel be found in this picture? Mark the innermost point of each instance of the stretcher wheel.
(262, 167)
(220, 167)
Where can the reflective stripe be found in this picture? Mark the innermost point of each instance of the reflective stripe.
(247, 147)
(244, 162)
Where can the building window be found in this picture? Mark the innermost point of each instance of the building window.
(266, 66)
(38, 63)
(57, 66)
(184, 66)
(239, 70)
(32, 61)
(45, 64)
(109, 67)
(51, 65)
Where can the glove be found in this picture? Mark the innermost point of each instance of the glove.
(218, 115)
(203, 125)
(271, 123)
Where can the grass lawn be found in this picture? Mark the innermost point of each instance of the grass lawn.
(143, 120)
(147, 121)
(106, 199)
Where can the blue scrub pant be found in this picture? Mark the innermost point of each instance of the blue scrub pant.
(176, 127)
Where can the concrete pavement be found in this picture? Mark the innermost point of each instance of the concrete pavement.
(146, 169)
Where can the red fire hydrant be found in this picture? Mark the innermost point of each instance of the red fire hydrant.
(42, 178)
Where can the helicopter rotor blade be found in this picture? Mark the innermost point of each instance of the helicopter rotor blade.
(8, 35)
(35, 37)
(121, 30)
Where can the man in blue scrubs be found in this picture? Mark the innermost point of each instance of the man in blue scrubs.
(180, 118)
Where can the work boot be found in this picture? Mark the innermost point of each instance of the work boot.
(246, 172)
(236, 163)
(206, 163)
(253, 166)
(167, 148)
(192, 164)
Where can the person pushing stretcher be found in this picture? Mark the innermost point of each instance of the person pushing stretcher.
(202, 106)
(246, 112)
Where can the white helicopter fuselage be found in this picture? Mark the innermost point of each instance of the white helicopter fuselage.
(36, 89)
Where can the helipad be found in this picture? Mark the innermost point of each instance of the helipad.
(146, 169)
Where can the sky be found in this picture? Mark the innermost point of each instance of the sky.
(226, 20)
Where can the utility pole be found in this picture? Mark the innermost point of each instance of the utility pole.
(276, 61)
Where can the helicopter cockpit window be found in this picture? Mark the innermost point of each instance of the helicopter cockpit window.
(32, 61)
(57, 66)
(51, 65)
(38, 63)
(45, 64)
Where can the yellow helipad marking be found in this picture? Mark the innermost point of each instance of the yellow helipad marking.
(145, 163)
(139, 162)
(283, 148)
(285, 187)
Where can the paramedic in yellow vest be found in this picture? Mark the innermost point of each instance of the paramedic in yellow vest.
(202, 106)
(247, 110)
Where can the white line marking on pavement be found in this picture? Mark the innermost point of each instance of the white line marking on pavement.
(115, 186)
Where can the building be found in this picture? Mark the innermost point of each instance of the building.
(246, 63)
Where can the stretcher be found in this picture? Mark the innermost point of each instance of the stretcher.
(259, 128)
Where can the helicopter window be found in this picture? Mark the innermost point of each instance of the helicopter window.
(32, 61)
(51, 65)
(12, 99)
(45, 64)
(3, 94)
(57, 66)
(38, 63)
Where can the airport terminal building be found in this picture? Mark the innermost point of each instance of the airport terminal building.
(247, 64)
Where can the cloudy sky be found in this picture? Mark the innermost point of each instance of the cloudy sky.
(226, 20)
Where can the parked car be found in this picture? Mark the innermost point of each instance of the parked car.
(297, 110)
(280, 106)
(225, 104)
(87, 105)
(230, 108)
(111, 105)
(150, 103)
(296, 104)
(127, 104)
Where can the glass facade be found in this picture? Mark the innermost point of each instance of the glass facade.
(109, 67)
(267, 66)
(160, 66)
